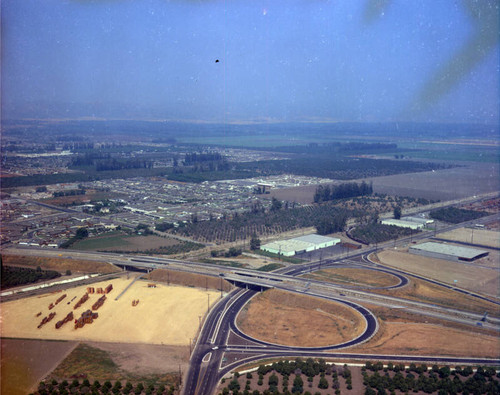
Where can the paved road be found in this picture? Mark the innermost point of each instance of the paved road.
(204, 372)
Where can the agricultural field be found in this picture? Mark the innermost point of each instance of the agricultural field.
(173, 322)
(322, 377)
(283, 318)
(480, 276)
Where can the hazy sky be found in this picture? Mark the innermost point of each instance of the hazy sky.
(293, 60)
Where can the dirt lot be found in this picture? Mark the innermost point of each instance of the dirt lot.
(469, 276)
(406, 338)
(362, 277)
(474, 236)
(173, 321)
(189, 280)
(284, 318)
(448, 184)
(26, 362)
(59, 264)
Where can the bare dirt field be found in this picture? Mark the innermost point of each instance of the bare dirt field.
(284, 318)
(189, 279)
(59, 264)
(448, 184)
(406, 338)
(483, 237)
(26, 362)
(370, 278)
(468, 276)
(164, 315)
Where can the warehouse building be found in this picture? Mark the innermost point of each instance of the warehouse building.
(402, 224)
(424, 221)
(448, 252)
(299, 245)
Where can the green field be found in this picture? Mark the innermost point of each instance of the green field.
(101, 243)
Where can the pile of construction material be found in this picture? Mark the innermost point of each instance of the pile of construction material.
(83, 299)
(135, 302)
(68, 318)
(87, 318)
(46, 319)
(99, 302)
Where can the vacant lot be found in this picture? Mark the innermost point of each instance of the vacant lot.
(26, 362)
(164, 315)
(468, 276)
(125, 362)
(483, 237)
(294, 320)
(448, 184)
(362, 277)
(406, 338)
(59, 264)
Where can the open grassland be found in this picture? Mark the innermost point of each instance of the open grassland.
(131, 362)
(402, 333)
(59, 264)
(362, 277)
(284, 318)
(482, 237)
(164, 315)
(25, 362)
(468, 276)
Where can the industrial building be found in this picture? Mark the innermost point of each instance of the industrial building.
(299, 245)
(447, 251)
(424, 221)
(402, 223)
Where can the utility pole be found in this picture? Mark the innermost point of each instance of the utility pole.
(208, 303)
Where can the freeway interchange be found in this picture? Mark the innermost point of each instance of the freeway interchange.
(221, 346)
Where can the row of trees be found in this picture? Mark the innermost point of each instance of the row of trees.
(14, 276)
(55, 387)
(342, 191)
(243, 226)
(441, 380)
(72, 192)
(456, 215)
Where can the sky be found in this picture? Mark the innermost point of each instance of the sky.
(278, 61)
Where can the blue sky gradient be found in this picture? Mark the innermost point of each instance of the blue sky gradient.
(296, 60)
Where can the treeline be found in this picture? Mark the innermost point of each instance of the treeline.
(196, 157)
(337, 168)
(72, 192)
(104, 162)
(63, 387)
(261, 222)
(375, 232)
(291, 377)
(325, 193)
(420, 379)
(455, 215)
(14, 276)
(329, 148)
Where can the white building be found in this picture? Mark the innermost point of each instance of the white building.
(300, 244)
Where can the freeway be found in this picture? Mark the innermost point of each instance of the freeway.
(213, 341)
